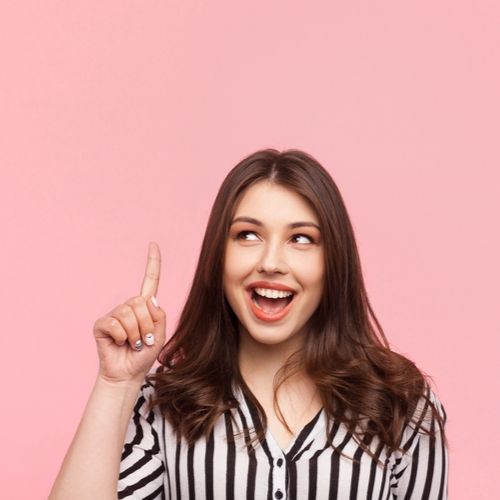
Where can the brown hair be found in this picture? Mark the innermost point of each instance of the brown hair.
(346, 352)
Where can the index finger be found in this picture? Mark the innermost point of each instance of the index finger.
(152, 275)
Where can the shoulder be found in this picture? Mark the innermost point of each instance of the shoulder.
(430, 410)
(421, 464)
(147, 389)
(145, 407)
(426, 422)
(142, 463)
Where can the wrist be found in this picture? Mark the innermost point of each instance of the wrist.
(119, 385)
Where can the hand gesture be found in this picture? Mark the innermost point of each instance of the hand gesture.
(130, 337)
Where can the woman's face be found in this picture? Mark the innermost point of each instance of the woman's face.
(274, 264)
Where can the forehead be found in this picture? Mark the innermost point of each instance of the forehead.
(265, 200)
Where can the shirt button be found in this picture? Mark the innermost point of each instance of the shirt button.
(279, 462)
(278, 494)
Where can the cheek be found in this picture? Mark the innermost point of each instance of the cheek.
(229, 263)
(230, 269)
(237, 264)
(319, 278)
(310, 271)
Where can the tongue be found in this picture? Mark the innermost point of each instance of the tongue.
(271, 306)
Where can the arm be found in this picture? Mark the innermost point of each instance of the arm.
(90, 468)
(129, 339)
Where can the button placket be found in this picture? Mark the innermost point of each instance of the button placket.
(279, 477)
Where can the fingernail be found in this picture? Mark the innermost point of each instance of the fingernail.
(149, 338)
(138, 345)
(154, 301)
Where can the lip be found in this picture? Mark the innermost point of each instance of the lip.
(271, 285)
(259, 313)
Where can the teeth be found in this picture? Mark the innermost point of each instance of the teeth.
(272, 294)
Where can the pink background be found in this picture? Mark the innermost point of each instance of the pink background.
(120, 119)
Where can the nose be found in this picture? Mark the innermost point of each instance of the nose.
(272, 260)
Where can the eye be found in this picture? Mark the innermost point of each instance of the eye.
(243, 235)
(303, 238)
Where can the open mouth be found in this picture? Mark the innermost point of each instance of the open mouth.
(271, 305)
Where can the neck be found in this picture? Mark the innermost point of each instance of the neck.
(297, 397)
(259, 363)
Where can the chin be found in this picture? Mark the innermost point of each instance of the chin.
(270, 337)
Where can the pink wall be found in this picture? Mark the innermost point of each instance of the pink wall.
(120, 119)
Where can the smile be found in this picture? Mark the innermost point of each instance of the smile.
(270, 305)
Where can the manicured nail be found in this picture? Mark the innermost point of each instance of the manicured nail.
(154, 301)
(149, 338)
(138, 345)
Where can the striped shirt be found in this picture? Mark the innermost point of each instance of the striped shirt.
(157, 465)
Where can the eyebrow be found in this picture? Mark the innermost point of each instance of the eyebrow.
(292, 225)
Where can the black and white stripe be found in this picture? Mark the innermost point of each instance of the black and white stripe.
(156, 465)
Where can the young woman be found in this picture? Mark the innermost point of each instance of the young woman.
(278, 382)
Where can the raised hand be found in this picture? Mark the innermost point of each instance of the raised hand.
(132, 334)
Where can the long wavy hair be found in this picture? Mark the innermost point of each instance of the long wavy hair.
(346, 353)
